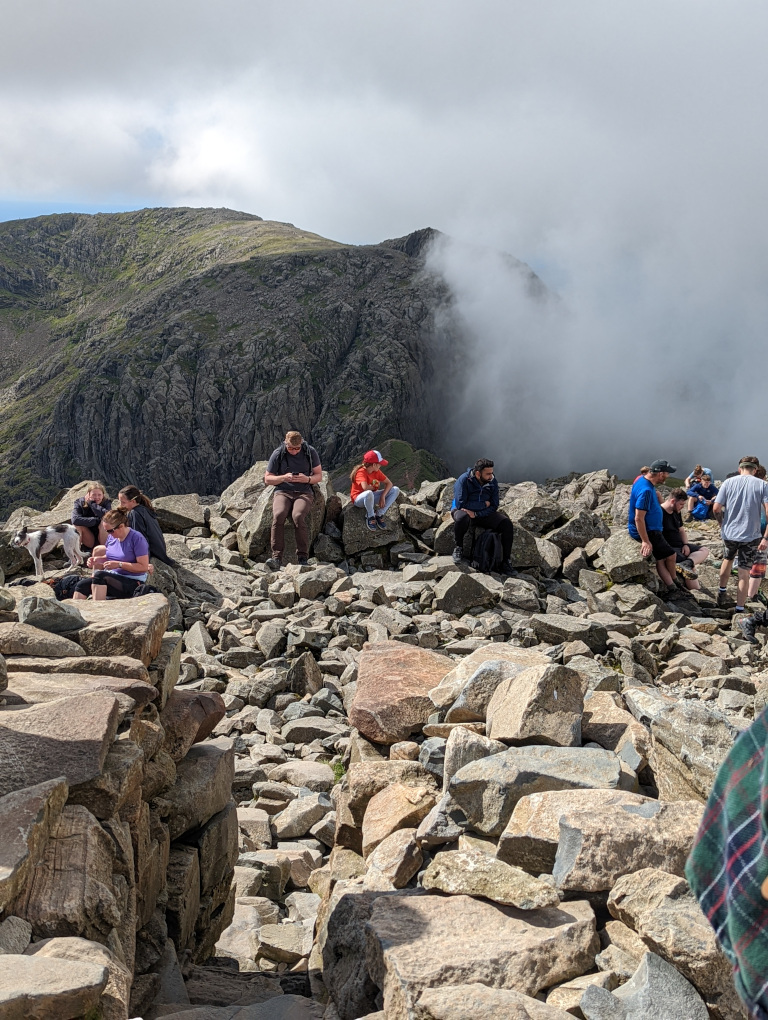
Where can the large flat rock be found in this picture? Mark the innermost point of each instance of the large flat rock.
(28, 816)
(99, 665)
(393, 684)
(132, 627)
(39, 988)
(541, 705)
(34, 688)
(478, 1002)
(68, 737)
(487, 790)
(23, 639)
(418, 943)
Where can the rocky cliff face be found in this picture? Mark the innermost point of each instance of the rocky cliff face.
(172, 348)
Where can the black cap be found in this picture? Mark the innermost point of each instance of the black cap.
(663, 465)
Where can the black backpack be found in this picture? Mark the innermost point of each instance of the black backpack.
(487, 554)
(145, 589)
(63, 587)
(284, 456)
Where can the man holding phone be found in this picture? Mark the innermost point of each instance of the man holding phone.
(293, 469)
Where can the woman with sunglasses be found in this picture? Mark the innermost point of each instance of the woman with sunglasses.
(120, 566)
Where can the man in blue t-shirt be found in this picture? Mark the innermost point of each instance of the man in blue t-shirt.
(646, 519)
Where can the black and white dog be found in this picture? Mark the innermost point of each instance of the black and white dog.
(38, 543)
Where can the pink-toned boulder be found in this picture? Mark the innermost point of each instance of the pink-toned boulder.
(189, 717)
(393, 684)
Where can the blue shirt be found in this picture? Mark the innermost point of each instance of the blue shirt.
(643, 497)
(697, 489)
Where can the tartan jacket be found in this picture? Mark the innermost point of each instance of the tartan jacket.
(729, 863)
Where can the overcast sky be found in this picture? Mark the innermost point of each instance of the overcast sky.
(618, 147)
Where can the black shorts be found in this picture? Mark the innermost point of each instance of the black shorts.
(662, 550)
(747, 552)
(692, 548)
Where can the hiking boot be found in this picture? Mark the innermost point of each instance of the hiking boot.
(457, 555)
(746, 625)
(274, 562)
(668, 593)
(381, 524)
(302, 561)
(685, 569)
(762, 597)
(371, 522)
(687, 518)
(724, 600)
(507, 569)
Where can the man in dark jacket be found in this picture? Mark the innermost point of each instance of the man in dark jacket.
(476, 498)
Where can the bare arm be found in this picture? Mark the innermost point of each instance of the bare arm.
(717, 510)
(141, 566)
(645, 543)
(270, 479)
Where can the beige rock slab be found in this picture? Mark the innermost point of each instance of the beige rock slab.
(71, 891)
(417, 943)
(667, 917)
(39, 988)
(367, 778)
(615, 729)
(396, 807)
(453, 683)
(28, 817)
(34, 688)
(396, 859)
(472, 872)
(478, 1002)
(542, 705)
(21, 639)
(97, 665)
(68, 737)
(567, 996)
(117, 993)
(393, 683)
(533, 831)
(596, 850)
(132, 627)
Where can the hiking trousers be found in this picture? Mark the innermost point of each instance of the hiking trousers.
(495, 521)
(298, 505)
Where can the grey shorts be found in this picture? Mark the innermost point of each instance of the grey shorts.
(747, 552)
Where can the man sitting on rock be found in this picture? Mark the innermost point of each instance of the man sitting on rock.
(293, 469)
(476, 498)
(687, 554)
(646, 519)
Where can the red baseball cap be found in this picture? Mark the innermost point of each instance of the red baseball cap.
(374, 457)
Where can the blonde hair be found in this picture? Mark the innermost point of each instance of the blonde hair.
(97, 485)
(294, 438)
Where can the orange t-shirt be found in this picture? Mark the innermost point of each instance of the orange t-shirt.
(364, 476)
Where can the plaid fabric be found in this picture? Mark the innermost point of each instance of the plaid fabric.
(729, 863)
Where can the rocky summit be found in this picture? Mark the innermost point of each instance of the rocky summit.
(378, 785)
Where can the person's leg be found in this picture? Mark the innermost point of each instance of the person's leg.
(87, 538)
(281, 507)
(99, 592)
(82, 589)
(743, 587)
(461, 522)
(384, 502)
(300, 511)
(365, 501)
(699, 556)
(663, 569)
(757, 573)
(749, 624)
(725, 573)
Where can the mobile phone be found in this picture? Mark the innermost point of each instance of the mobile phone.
(295, 474)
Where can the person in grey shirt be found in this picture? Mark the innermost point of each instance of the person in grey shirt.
(737, 507)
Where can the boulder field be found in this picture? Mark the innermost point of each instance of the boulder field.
(379, 785)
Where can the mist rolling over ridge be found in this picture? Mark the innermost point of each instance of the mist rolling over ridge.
(638, 358)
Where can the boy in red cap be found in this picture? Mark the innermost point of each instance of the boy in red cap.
(372, 490)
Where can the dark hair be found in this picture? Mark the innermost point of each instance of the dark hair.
(131, 492)
(482, 464)
(118, 517)
(760, 471)
(750, 460)
(678, 494)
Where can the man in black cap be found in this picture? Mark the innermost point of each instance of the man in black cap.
(646, 519)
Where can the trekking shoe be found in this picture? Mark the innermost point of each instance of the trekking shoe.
(668, 593)
(381, 524)
(687, 518)
(685, 569)
(747, 627)
(274, 563)
(457, 555)
(302, 561)
(724, 600)
(506, 569)
(762, 597)
(371, 522)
